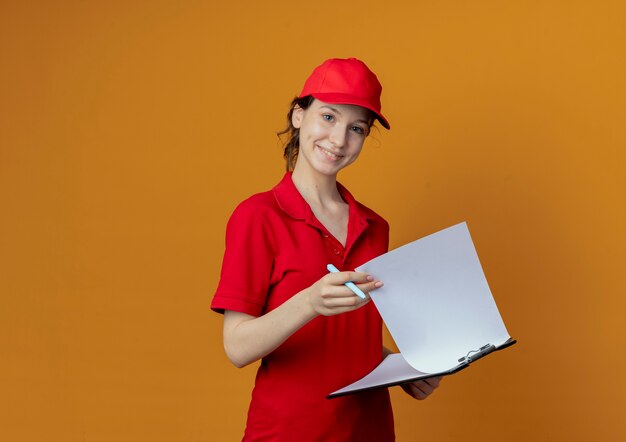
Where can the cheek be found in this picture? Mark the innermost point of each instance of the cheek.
(352, 157)
(357, 146)
(311, 131)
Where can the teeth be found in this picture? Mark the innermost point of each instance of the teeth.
(329, 153)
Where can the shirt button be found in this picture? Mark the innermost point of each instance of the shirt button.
(325, 235)
(337, 251)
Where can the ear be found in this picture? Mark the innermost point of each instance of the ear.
(296, 116)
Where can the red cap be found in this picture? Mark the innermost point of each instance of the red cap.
(346, 81)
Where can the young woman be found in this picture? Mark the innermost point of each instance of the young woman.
(312, 334)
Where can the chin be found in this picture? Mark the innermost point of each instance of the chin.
(327, 170)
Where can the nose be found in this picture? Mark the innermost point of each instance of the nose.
(338, 135)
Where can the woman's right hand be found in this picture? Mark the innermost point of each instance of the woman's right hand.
(248, 338)
(330, 296)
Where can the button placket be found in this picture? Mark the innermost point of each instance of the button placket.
(334, 245)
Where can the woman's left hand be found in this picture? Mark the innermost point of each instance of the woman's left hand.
(421, 389)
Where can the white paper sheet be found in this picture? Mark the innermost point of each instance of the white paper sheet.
(436, 302)
(394, 369)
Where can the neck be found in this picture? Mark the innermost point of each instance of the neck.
(316, 189)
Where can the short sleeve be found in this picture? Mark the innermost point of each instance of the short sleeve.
(247, 265)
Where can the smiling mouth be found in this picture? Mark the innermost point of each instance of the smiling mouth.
(329, 154)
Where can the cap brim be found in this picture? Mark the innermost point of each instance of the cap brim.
(349, 99)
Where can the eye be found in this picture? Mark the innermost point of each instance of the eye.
(328, 117)
(358, 129)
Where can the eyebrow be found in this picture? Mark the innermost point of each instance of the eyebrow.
(334, 109)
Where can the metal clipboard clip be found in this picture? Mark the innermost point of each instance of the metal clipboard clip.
(474, 355)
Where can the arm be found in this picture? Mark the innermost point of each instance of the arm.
(248, 338)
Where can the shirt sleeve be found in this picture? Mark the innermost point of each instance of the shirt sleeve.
(247, 265)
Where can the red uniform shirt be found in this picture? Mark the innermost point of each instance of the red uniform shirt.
(275, 247)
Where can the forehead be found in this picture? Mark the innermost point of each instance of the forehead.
(348, 111)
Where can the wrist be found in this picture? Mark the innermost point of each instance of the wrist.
(305, 304)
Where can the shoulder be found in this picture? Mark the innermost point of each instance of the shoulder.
(258, 206)
(374, 217)
(364, 212)
(259, 202)
(256, 213)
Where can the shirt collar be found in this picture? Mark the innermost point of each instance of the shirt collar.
(292, 203)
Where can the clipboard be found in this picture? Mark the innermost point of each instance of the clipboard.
(438, 307)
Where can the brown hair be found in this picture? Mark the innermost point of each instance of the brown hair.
(292, 142)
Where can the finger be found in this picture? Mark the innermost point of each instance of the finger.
(338, 291)
(370, 286)
(343, 277)
(341, 290)
(338, 309)
(344, 302)
(424, 387)
(433, 382)
(414, 391)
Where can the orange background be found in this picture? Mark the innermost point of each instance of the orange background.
(130, 130)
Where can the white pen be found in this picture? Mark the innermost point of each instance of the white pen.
(357, 291)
